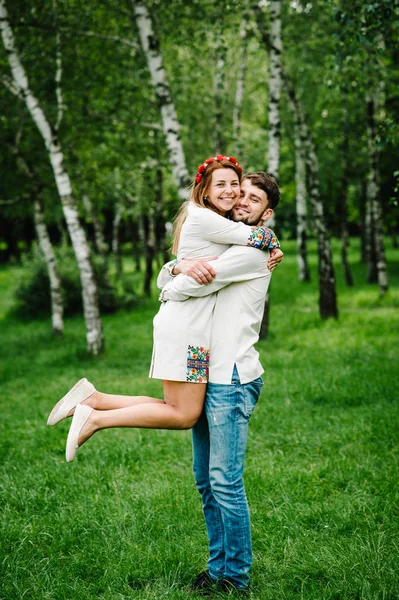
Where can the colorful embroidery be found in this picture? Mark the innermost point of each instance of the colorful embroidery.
(263, 238)
(197, 364)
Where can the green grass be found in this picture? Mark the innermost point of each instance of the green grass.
(124, 520)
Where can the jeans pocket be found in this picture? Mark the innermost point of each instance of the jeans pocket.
(252, 393)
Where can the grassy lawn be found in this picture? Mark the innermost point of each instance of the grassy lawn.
(124, 520)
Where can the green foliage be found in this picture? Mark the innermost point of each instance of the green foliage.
(32, 288)
(111, 129)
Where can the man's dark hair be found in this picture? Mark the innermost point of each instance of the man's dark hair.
(268, 184)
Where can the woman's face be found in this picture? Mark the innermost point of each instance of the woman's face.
(224, 190)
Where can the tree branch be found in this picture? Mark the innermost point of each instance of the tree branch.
(14, 200)
(87, 33)
(11, 86)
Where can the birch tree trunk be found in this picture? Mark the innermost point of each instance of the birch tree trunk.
(57, 308)
(242, 69)
(116, 244)
(327, 297)
(170, 123)
(273, 158)
(301, 209)
(99, 238)
(218, 91)
(160, 241)
(134, 232)
(46, 247)
(94, 334)
(371, 257)
(375, 240)
(362, 210)
(327, 291)
(149, 250)
(344, 200)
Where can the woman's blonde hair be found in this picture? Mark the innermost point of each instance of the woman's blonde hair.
(198, 195)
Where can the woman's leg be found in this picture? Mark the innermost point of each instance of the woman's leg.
(180, 409)
(101, 401)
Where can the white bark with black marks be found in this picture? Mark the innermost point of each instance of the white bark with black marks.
(301, 209)
(171, 127)
(374, 222)
(273, 159)
(327, 298)
(219, 83)
(116, 243)
(46, 247)
(94, 334)
(239, 96)
(327, 289)
(344, 198)
(99, 238)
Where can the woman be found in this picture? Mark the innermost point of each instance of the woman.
(181, 330)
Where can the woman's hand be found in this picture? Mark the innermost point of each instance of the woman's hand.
(276, 256)
(199, 269)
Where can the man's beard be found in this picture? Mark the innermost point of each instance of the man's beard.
(247, 219)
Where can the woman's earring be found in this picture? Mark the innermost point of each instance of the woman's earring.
(206, 198)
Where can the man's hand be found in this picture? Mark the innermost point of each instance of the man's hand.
(199, 269)
(276, 256)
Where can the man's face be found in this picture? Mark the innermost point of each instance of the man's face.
(252, 207)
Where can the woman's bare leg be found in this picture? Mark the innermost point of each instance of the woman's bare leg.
(180, 409)
(101, 401)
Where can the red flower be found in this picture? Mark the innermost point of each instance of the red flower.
(198, 178)
(209, 161)
(233, 160)
(201, 169)
(221, 157)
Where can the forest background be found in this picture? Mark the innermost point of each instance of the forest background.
(107, 109)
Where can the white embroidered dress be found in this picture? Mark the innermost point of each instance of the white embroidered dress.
(182, 330)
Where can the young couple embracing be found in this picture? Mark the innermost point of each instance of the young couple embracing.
(212, 303)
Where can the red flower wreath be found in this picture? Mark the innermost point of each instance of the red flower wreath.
(217, 158)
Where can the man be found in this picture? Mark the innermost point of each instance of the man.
(240, 278)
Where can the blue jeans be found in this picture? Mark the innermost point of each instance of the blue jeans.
(219, 443)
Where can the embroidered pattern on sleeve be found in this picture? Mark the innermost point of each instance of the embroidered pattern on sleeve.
(262, 238)
(197, 364)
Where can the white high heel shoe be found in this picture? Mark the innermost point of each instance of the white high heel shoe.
(79, 393)
(81, 414)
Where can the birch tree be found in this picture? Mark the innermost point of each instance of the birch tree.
(374, 227)
(149, 248)
(218, 90)
(327, 291)
(44, 241)
(116, 243)
(301, 209)
(171, 128)
(344, 198)
(239, 95)
(273, 156)
(99, 238)
(275, 49)
(50, 135)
